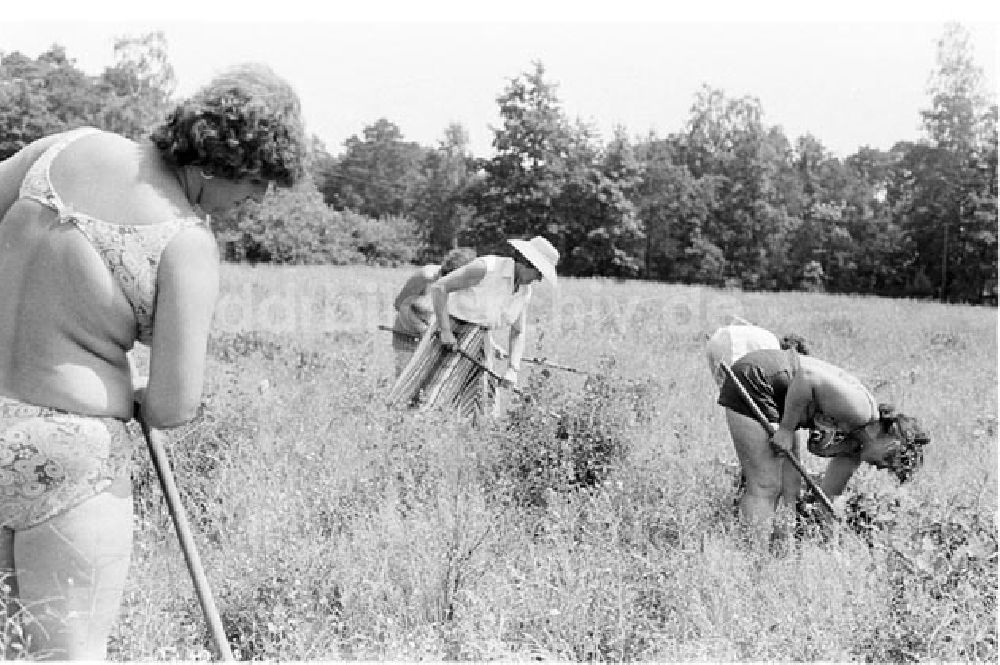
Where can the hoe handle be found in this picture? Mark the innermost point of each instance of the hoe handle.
(771, 429)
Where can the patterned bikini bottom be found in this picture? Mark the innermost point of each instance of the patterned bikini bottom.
(52, 460)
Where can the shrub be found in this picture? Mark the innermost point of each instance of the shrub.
(296, 227)
(940, 556)
(538, 452)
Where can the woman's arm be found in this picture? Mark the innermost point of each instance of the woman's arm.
(415, 314)
(838, 472)
(797, 401)
(516, 347)
(415, 285)
(465, 277)
(187, 288)
(13, 169)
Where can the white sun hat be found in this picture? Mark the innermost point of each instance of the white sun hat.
(541, 254)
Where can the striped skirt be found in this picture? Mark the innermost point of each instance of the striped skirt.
(436, 378)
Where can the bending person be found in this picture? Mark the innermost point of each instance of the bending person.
(485, 295)
(105, 242)
(414, 310)
(730, 343)
(804, 392)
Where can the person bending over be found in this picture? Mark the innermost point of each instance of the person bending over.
(803, 392)
(485, 295)
(414, 310)
(731, 342)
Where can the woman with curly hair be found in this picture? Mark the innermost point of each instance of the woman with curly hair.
(105, 242)
(803, 392)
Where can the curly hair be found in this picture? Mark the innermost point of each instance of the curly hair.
(795, 342)
(906, 456)
(456, 258)
(245, 123)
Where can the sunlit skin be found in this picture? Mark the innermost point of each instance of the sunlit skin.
(216, 196)
(469, 276)
(818, 386)
(874, 449)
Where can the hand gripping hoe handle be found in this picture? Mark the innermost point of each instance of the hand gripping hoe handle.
(771, 429)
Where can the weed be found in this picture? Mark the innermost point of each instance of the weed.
(332, 528)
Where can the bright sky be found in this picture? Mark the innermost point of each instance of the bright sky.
(851, 76)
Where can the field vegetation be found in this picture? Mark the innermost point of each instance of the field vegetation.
(594, 522)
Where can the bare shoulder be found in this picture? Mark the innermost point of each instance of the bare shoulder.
(15, 166)
(29, 153)
(479, 266)
(821, 372)
(100, 152)
(467, 276)
(120, 180)
(193, 247)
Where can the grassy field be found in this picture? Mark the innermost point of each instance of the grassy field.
(334, 529)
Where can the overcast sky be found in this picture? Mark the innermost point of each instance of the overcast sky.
(852, 76)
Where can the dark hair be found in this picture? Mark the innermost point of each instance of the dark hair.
(245, 122)
(456, 258)
(795, 342)
(906, 455)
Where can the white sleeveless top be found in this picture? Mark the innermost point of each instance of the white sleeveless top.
(730, 343)
(492, 303)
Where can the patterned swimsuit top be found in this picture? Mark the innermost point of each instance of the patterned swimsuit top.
(131, 253)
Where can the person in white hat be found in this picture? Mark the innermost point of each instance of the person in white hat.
(470, 304)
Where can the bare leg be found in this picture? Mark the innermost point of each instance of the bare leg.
(71, 572)
(762, 470)
(791, 486)
(791, 481)
(8, 586)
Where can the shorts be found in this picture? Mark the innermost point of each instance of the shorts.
(766, 375)
(52, 460)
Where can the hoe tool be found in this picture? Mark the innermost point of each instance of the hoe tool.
(533, 361)
(158, 453)
(771, 429)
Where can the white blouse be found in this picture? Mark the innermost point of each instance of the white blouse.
(492, 303)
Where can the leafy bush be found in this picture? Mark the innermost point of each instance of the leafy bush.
(296, 227)
(389, 241)
(938, 553)
(288, 226)
(539, 452)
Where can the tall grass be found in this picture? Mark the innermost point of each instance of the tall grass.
(332, 528)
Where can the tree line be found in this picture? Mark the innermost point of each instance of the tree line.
(727, 200)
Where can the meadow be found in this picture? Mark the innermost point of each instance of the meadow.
(332, 528)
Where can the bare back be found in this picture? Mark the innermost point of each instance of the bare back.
(839, 395)
(65, 322)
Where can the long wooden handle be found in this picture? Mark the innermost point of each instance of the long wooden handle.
(162, 465)
(534, 361)
(771, 429)
(475, 361)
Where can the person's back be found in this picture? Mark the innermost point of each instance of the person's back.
(104, 242)
(842, 399)
(730, 343)
(66, 322)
